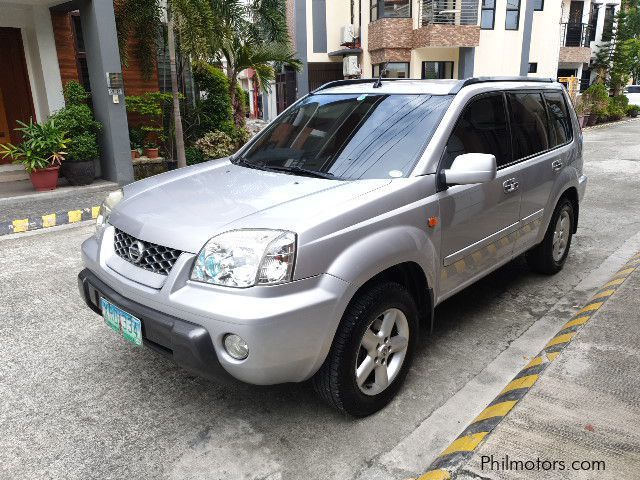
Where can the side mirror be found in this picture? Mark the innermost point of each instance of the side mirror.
(471, 168)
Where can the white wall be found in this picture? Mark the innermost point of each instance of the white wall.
(420, 55)
(40, 54)
(545, 40)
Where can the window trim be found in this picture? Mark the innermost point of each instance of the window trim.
(535, 67)
(453, 65)
(375, 4)
(373, 73)
(493, 15)
(518, 17)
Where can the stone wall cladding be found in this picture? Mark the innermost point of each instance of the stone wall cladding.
(575, 55)
(391, 55)
(436, 35)
(391, 33)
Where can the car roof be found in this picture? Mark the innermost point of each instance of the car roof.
(431, 87)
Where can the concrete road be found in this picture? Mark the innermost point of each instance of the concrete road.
(78, 402)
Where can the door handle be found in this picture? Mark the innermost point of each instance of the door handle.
(556, 165)
(510, 185)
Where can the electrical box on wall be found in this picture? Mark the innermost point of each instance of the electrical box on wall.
(350, 67)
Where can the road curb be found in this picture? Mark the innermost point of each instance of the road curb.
(49, 220)
(448, 463)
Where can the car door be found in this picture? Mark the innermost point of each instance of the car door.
(541, 131)
(478, 221)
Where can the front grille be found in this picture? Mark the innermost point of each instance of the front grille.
(155, 258)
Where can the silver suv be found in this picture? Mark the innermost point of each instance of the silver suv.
(321, 248)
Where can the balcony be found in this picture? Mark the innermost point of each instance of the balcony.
(447, 23)
(574, 46)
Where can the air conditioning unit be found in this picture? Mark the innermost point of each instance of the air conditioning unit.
(348, 34)
(350, 66)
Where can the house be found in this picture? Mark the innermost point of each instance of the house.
(46, 43)
(440, 39)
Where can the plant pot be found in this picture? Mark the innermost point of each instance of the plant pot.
(151, 152)
(135, 154)
(45, 179)
(592, 120)
(79, 173)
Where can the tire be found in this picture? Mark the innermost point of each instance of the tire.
(371, 310)
(545, 257)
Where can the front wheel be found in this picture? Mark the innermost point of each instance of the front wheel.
(549, 256)
(371, 352)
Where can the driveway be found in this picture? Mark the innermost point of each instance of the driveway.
(79, 402)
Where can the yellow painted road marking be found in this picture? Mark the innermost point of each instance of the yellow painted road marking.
(435, 475)
(95, 211)
(577, 321)
(624, 272)
(552, 356)
(20, 225)
(465, 444)
(497, 410)
(613, 283)
(590, 308)
(533, 363)
(560, 339)
(75, 216)
(606, 293)
(522, 382)
(49, 220)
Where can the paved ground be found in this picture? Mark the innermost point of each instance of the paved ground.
(77, 402)
(584, 409)
(63, 199)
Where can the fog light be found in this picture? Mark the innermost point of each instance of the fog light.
(236, 346)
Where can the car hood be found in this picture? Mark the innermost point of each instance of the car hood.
(183, 209)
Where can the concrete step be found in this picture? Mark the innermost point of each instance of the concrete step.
(12, 173)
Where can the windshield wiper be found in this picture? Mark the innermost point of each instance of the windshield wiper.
(244, 163)
(302, 171)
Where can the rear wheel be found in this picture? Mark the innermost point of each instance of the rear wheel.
(549, 256)
(371, 352)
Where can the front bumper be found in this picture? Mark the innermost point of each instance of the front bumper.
(289, 328)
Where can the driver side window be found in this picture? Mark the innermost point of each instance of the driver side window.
(482, 128)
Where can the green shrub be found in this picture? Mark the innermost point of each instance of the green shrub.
(617, 107)
(633, 110)
(596, 99)
(75, 94)
(194, 155)
(83, 148)
(136, 137)
(215, 144)
(213, 110)
(239, 136)
(77, 120)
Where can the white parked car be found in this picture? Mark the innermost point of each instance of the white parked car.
(632, 92)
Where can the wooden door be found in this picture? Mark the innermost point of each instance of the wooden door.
(15, 92)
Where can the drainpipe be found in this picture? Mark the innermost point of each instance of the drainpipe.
(526, 38)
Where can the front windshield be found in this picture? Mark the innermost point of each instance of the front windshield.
(349, 136)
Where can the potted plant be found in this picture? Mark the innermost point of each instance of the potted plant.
(41, 151)
(633, 110)
(149, 108)
(598, 100)
(581, 111)
(136, 139)
(77, 119)
(151, 150)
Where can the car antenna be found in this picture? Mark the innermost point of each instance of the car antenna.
(383, 68)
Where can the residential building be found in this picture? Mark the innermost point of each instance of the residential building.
(586, 26)
(46, 43)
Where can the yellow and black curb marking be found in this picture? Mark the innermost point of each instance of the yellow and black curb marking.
(445, 467)
(50, 220)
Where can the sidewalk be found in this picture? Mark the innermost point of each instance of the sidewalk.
(585, 407)
(21, 211)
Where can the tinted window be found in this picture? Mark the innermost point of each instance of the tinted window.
(528, 124)
(482, 128)
(350, 136)
(558, 118)
(633, 89)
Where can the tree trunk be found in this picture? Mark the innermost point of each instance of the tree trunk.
(177, 117)
(236, 102)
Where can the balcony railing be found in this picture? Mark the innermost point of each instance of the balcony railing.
(575, 34)
(449, 12)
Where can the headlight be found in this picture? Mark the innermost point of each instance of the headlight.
(105, 209)
(243, 258)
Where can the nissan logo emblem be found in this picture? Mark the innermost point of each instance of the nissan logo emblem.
(136, 251)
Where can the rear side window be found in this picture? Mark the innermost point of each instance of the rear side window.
(558, 118)
(528, 124)
(482, 128)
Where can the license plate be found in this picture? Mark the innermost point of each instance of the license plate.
(121, 322)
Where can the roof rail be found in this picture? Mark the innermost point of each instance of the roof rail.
(353, 81)
(472, 81)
